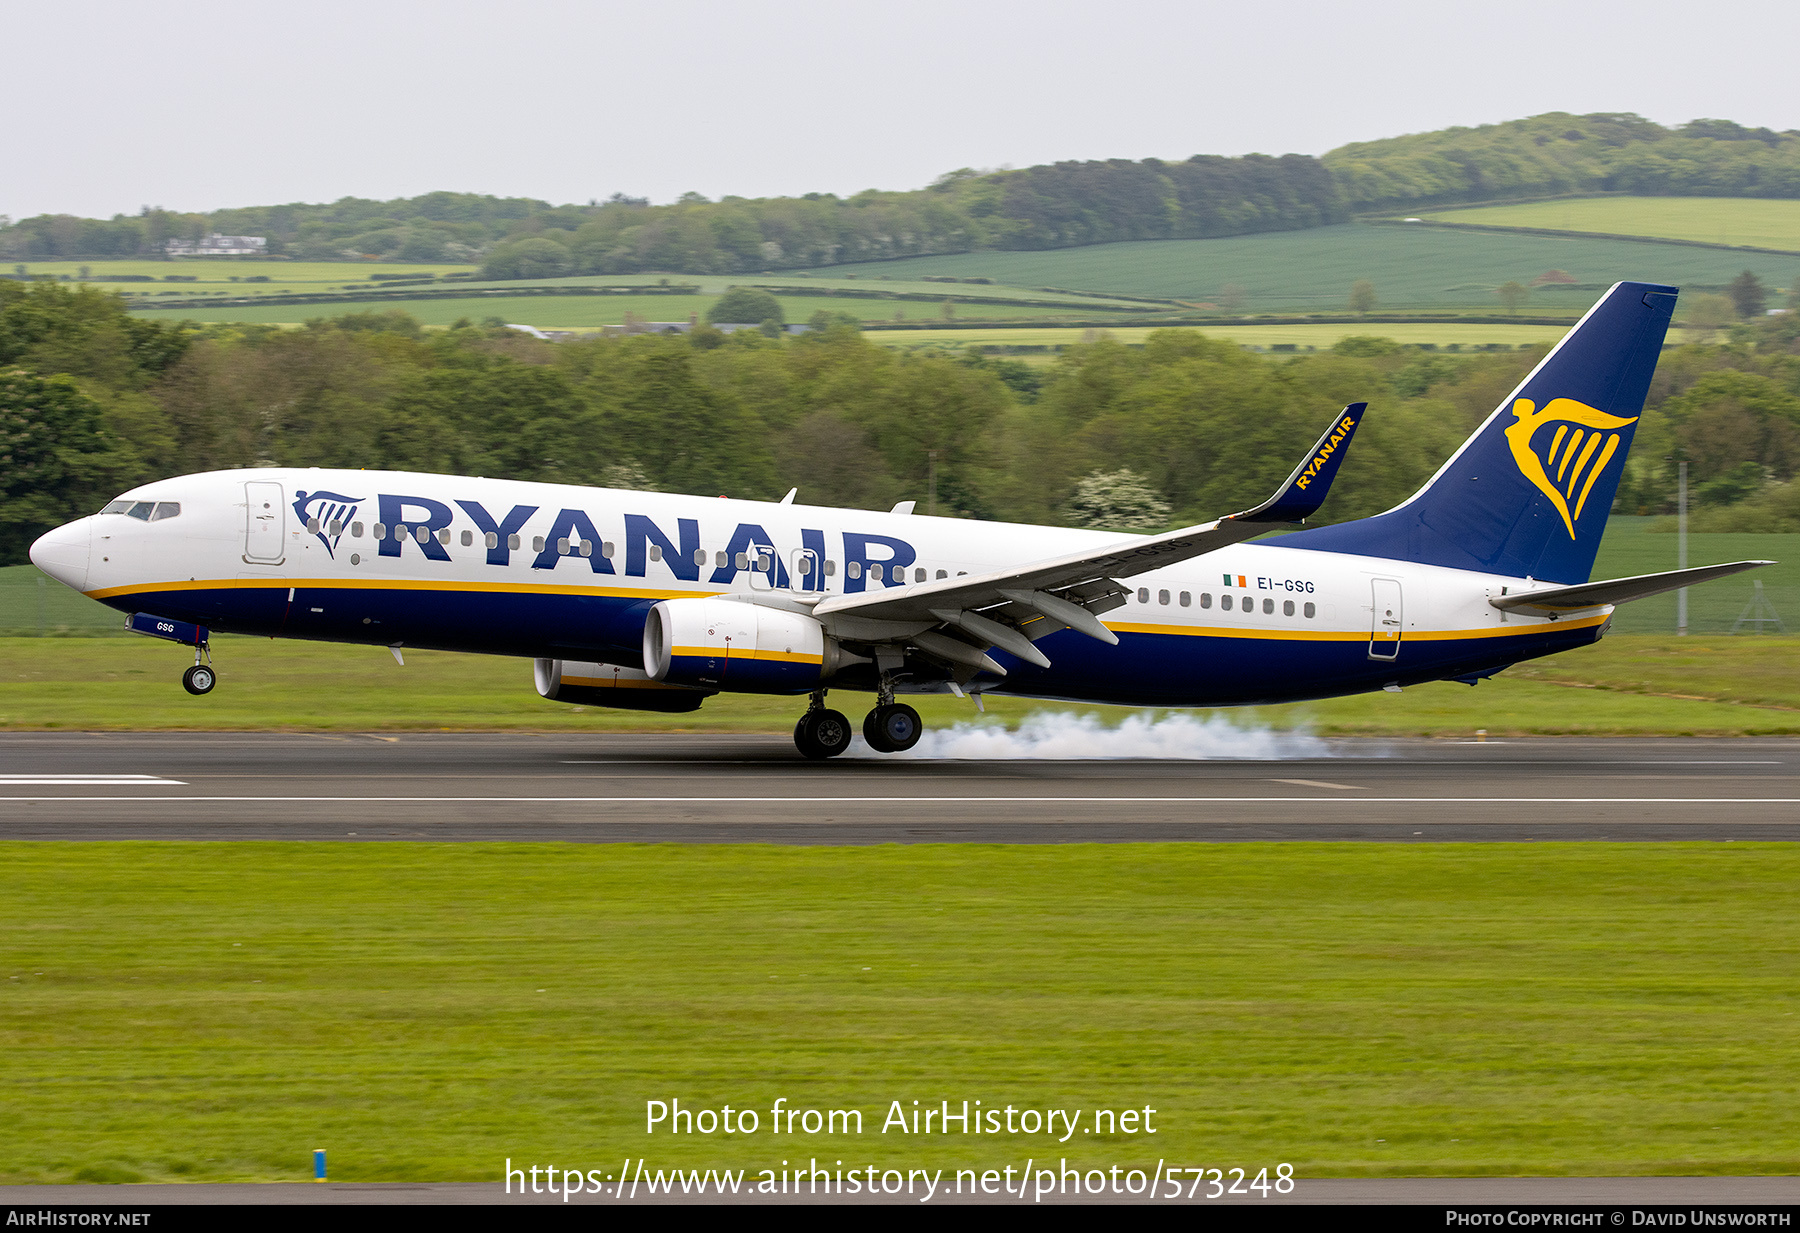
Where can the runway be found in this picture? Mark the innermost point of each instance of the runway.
(723, 789)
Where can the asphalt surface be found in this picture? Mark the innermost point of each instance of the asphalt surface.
(712, 789)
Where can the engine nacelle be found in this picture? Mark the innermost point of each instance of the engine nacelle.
(566, 680)
(723, 644)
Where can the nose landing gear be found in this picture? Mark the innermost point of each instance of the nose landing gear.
(197, 680)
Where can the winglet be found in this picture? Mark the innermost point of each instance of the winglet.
(1307, 487)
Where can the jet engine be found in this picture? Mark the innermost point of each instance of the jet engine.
(566, 680)
(723, 644)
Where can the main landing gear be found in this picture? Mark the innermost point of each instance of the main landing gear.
(890, 728)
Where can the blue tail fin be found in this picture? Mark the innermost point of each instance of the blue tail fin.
(1529, 493)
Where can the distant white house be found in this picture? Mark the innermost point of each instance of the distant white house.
(216, 245)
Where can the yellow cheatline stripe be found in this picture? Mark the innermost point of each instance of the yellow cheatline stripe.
(706, 652)
(375, 584)
(1411, 635)
(606, 682)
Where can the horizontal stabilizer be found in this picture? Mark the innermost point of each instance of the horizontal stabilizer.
(1617, 590)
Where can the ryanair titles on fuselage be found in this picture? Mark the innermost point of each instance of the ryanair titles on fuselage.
(402, 519)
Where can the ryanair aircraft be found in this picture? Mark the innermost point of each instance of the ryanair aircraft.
(656, 602)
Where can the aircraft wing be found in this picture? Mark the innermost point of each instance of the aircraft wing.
(959, 619)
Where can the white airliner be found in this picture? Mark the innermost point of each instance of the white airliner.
(656, 602)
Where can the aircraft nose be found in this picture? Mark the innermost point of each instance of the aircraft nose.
(63, 553)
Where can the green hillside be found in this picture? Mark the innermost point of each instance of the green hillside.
(588, 312)
(1705, 220)
(1313, 270)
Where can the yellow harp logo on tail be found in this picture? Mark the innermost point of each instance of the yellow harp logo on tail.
(1573, 457)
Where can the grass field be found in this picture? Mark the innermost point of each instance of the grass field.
(586, 312)
(217, 275)
(1711, 220)
(1321, 337)
(1410, 267)
(1628, 685)
(184, 1012)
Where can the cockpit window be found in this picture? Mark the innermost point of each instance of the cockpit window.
(145, 511)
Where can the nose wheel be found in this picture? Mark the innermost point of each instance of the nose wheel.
(199, 679)
(892, 727)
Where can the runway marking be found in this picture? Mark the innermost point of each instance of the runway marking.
(1320, 783)
(950, 800)
(91, 780)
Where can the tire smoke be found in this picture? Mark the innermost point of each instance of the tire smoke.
(1066, 735)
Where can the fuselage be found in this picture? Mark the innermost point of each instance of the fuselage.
(565, 572)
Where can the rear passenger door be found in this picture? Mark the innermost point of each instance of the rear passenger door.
(1387, 619)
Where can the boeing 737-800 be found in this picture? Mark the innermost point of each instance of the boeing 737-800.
(656, 602)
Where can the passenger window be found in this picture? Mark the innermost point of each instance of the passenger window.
(337, 526)
(1225, 602)
(141, 510)
(918, 575)
(876, 572)
(587, 547)
(606, 550)
(379, 531)
(942, 574)
(421, 534)
(537, 543)
(1206, 599)
(1309, 610)
(1268, 607)
(1162, 597)
(655, 552)
(493, 540)
(356, 530)
(444, 536)
(830, 569)
(562, 547)
(743, 560)
(512, 542)
(1287, 607)
(1143, 595)
(468, 538)
(854, 569)
(166, 509)
(312, 526)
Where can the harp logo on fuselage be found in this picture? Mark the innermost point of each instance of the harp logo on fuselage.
(1573, 456)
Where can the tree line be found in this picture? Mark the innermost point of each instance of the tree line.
(1179, 430)
(1056, 205)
